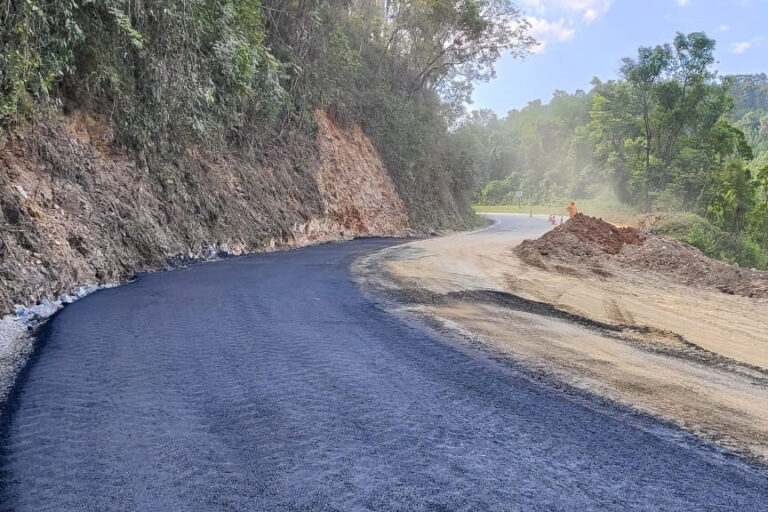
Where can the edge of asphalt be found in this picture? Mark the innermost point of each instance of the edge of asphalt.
(22, 337)
(387, 293)
(28, 342)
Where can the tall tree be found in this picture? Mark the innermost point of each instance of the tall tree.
(684, 91)
(643, 74)
(443, 44)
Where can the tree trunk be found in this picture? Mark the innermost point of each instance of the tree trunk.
(648, 136)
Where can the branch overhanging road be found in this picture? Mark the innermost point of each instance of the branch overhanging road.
(271, 382)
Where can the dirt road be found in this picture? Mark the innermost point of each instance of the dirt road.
(693, 356)
(271, 382)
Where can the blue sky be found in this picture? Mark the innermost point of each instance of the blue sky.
(586, 38)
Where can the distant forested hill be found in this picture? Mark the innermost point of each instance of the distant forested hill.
(750, 112)
(750, 93)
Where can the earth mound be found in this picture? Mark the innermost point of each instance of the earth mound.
(586, 244)
(579, 238)
(687, 265)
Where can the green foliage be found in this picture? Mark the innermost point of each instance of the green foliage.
(750, 113)
(194, 71)
(499, 192)
(711, 240)
(750, 93)
(543, 148)
(663, 138)
(36, 43)
(734, 199)
(757, 219)
(675, 99)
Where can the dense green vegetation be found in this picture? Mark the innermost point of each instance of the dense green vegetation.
(671, 135)
(241, 75)
(245, 74)
(750, 113)
(711, 240)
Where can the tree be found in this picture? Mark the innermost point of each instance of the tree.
(444, 44)
(758, 220)
(643, 75)
(611, 124)
(685, 91)
(736, 197)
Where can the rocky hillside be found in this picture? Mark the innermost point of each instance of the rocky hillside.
(77, 210)
(131, 134)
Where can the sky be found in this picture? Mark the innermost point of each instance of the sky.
(582, 39)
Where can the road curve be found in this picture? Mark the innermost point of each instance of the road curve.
(270, 382)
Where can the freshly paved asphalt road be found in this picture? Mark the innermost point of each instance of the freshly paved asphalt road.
(271, 382)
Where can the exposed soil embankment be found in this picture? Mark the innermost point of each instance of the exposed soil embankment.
(600, 247)
(75, 209)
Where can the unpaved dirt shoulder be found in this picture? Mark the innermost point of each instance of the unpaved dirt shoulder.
(695, 357)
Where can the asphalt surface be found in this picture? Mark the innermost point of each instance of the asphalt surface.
(271, 382)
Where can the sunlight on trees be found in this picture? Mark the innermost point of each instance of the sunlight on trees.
(671, 135)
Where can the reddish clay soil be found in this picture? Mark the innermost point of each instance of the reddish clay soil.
(579, 238)
(608, 237)
(586, 243)
(76, 209)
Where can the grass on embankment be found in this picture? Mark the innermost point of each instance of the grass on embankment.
(709, 239)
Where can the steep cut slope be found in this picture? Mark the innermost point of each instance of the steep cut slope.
(77, 210)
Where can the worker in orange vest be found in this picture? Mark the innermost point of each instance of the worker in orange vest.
(572, 209)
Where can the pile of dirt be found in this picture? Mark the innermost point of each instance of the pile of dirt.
(589, 245)
(609, 238)
(687, 265)
(577, 240)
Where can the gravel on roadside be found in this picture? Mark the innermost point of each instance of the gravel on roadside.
(16, 344)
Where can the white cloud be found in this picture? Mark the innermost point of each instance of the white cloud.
(743, 46)
(723, 28)
(546, 32)
(683, 3)
(590, 15)
(590, 10)
(576, 12)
